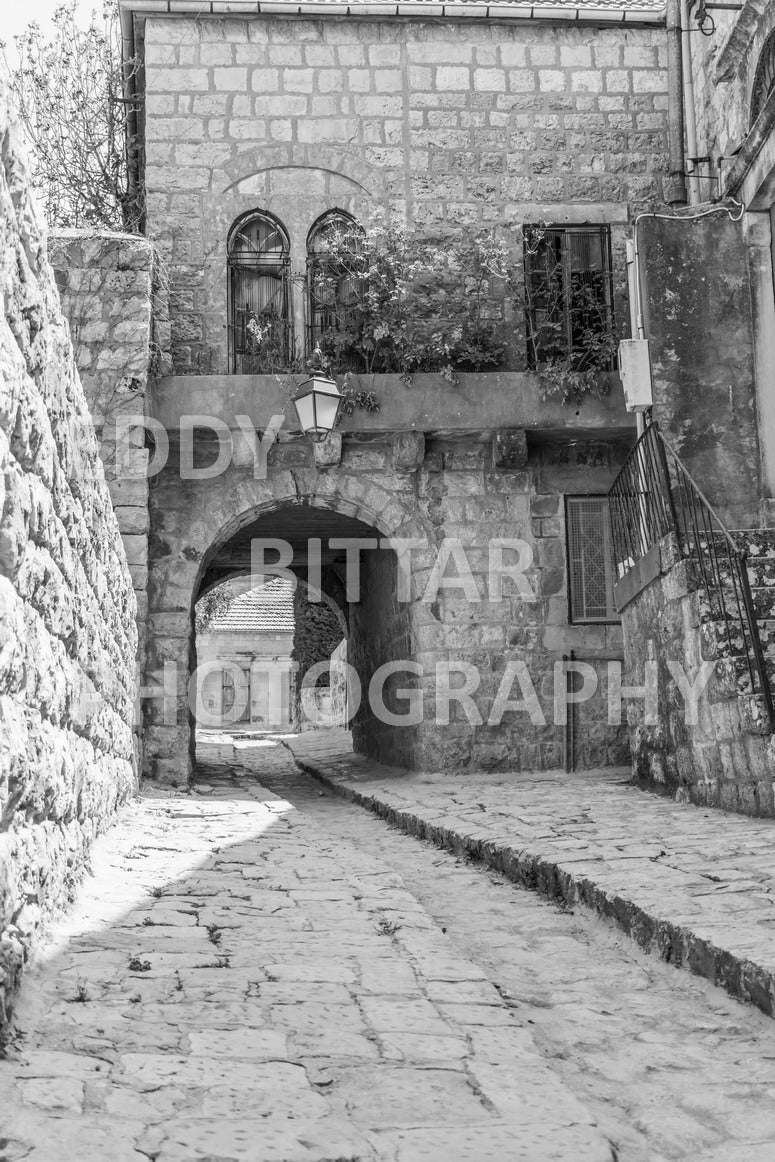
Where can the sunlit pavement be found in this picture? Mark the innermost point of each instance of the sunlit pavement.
(234, 983)
(692, 885)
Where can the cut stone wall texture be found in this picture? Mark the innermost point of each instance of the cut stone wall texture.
(469, 125)
(456, 496)
(724, 758)
(113, 293)
(67, 609)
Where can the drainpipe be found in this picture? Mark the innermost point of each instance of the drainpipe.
(690, 112)
(129, 71)
(676, 183)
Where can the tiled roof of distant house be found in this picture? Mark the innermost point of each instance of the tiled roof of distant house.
(265, 609)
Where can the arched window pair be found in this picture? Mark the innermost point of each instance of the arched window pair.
(261, 303)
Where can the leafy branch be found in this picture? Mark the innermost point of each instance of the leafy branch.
(389, 301)
(69, 92)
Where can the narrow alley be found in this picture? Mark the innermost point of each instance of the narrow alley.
(278, 975)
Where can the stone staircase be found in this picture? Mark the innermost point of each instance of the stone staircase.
(761, 577)
(725, 637)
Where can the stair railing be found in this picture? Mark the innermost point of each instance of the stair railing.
(654, 495)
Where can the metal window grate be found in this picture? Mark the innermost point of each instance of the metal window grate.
(590, 559)
(260, 333)
(569, 291)
(335, 285)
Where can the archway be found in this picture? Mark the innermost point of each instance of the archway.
(341, 560)
(253, 638)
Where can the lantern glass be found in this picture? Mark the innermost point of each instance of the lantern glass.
(317, 406)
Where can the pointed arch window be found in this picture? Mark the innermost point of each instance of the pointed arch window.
(259, 264)
(764, 77)
(335, 280)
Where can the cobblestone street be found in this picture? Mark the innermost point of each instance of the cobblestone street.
(246, 980)
(237, 983)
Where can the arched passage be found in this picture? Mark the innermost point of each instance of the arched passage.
(200, 535)
(344, 561)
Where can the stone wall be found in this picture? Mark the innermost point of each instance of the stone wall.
(67, 610)
(700, 327)
(739, 160)
(384, 630)
(445, 123)
(726, 758)
(451, 489)
(114, 296)
(723, 68)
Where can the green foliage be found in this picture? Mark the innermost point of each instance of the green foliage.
(399, 302)
(69, 95)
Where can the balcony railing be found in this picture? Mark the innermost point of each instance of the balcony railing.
(654, 495)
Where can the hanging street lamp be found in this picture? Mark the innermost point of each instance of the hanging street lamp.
(317, 404)
(318, 401)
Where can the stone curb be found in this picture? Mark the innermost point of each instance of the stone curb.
(675, 944)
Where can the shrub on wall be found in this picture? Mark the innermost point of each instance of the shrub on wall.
(391, 301)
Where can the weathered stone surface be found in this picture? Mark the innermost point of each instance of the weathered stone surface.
(465, 125)
(115, 298)
(690, 886)
(722, 756)
(509, 448)
(328, 452)
(456, 498)
(67, 610)
(407, 451)
(701, 341)
(189, 1065)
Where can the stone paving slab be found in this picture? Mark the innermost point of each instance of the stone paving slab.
(236, 984)
(692, 885)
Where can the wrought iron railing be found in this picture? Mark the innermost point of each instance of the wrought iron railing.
(654, 495)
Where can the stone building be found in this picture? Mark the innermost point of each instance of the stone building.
(260, 130)
(709, 314)
(244, 664)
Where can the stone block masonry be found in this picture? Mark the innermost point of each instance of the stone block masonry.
(444, 123)
(454, 495)
(113, 292)
(67, 609)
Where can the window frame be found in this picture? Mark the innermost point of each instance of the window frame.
(282, 267)
(612, 617)
(329, 218)
(603, 233)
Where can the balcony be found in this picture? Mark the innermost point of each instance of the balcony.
(477, 404)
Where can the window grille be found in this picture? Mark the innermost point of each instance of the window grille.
(764, 77)
(590, 559)
(568, 292)
(335, 280)
(260, 333)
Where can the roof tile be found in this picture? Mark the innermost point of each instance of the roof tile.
(266, 609)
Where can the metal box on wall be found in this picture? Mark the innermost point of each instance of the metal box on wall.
(635, 372)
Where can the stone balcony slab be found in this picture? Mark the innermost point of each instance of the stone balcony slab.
(478, 402)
